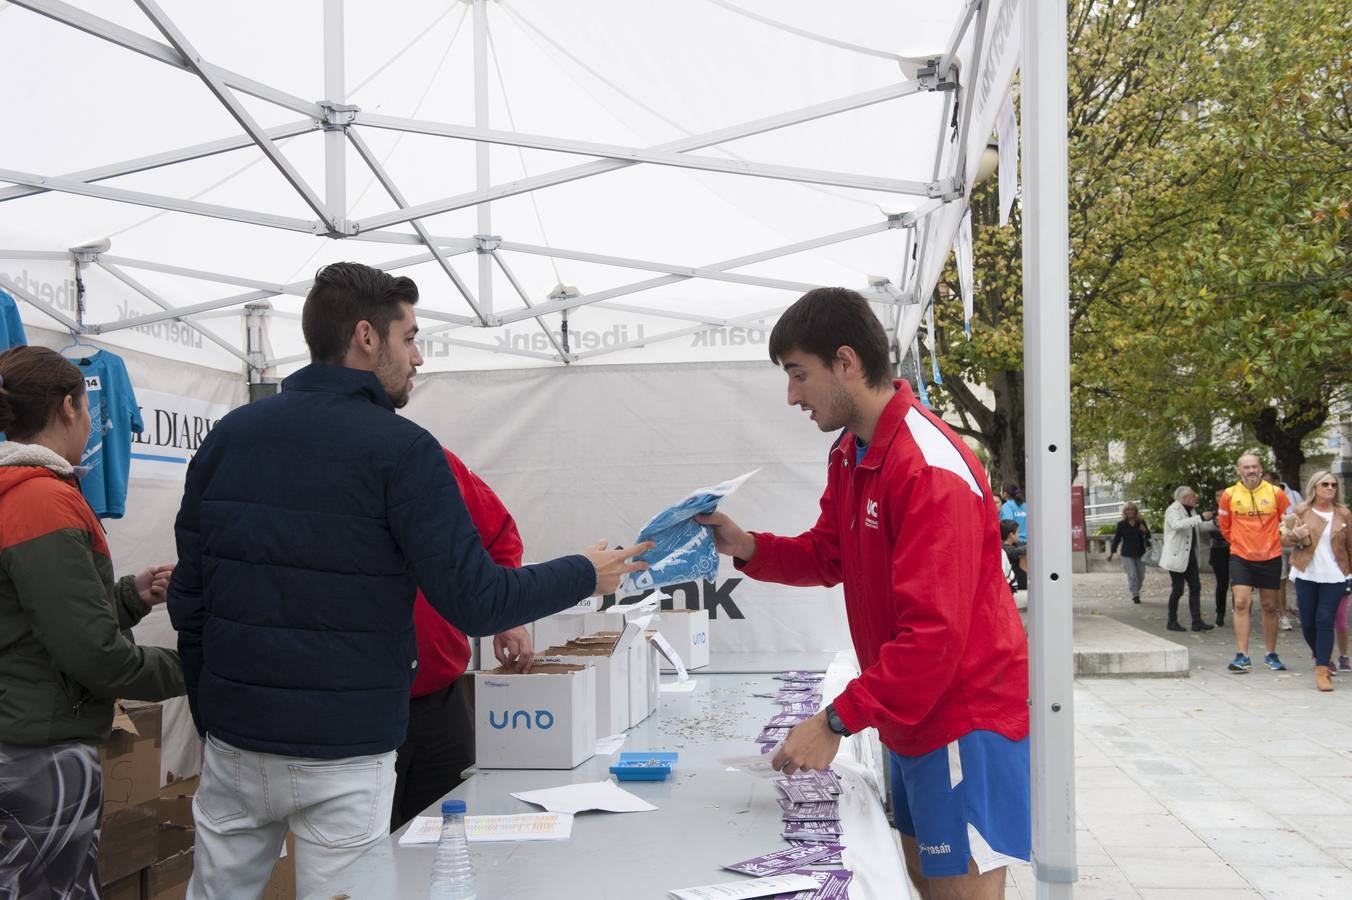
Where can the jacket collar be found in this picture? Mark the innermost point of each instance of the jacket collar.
(328, 379)
(888, 424)
(12, 453)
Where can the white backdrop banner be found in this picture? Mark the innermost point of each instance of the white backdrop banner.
(583, 454)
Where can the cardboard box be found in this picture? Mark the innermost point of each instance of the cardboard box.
(130, 759)
(612, 681)
(559, 628)
(128, 888)
(687, 631)
(544, 720)
(282, 884)
(167, 877)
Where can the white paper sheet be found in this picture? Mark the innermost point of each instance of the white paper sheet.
(424, 830)
(664, 647)
(607, 745)
(523, 827)
(548, 826)
(575, 798)
(754, 764)
(743, 890)
(678, 687)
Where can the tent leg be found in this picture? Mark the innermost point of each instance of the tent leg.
(1046, 290)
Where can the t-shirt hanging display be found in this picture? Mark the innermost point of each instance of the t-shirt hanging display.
(113, 416)
(11, 326)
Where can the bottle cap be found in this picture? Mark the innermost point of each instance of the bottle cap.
(450, 807)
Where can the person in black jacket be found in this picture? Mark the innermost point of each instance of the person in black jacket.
(309, 520)
(1133, 536)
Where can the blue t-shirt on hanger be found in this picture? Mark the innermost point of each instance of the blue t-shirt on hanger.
(11, 326)
(113, 415)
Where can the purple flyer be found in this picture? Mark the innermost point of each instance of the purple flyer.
(832, 860)
(789, 719)
(767, 748)
(812, 812)
(799, 675)
(802, 791)
(823, 830)
(834, 885)
(784, 860)
(771, 735)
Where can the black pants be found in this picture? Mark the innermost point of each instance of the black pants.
(1221, 566)
(1194, 583)
(439, 747)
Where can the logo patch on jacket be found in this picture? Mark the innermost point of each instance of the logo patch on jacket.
(870, 513)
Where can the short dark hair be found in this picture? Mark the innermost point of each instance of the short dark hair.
(825, 319)
(36, 380)
(1007, 527)
(345, 293)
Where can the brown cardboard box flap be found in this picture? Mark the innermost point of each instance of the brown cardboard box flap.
(548, 669)
(122, 721)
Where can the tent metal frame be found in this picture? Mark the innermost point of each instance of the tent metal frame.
(1046, 328)
(342, 124)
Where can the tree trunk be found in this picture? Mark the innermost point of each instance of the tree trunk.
(1284, 434)
(1007, 449)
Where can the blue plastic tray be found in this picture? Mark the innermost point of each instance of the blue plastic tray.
(644, 766)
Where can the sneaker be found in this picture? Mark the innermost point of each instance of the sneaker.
(1174, 626)
(1343, 664)
(1199, 625)
(1286, 623)
(1273, 663)
(1240, 664)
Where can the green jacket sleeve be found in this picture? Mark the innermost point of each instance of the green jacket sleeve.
(127, 602)
(79, 620)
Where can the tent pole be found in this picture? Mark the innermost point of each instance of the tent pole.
(1046, 341)
(335, 93)
(482, 180)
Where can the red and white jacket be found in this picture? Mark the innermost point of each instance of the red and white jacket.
(443, 649)
(913, 533)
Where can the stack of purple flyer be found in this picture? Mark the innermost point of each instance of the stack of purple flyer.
(835, 885)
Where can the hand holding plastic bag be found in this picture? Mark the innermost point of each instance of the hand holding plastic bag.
(683, 549)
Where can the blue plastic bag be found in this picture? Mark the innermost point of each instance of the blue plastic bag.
(685, 549)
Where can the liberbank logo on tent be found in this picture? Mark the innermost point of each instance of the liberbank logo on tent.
(175, 427)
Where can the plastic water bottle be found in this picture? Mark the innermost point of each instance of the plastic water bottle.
(452, 874)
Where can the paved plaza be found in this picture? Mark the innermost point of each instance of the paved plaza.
(1216, 785)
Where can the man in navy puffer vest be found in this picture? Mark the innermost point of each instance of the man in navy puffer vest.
(309, 520)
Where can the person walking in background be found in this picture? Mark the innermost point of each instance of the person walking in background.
(1288, 616)
(1219, 558)
(1250, 514)
(1014, 509)
(1133, 536)
(1178, 557)
(66, 651)
(1320, 535)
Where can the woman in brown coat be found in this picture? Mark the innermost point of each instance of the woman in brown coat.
(1320, 533)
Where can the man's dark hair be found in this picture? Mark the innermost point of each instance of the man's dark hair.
(344, 294)
(825, 319)
(35, 381)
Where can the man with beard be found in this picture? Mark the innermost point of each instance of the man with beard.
(309, 520)
(908, 524)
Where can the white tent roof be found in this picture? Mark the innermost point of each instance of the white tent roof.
(724, 155)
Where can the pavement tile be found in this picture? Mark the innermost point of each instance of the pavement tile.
(1203, 814)
(1300, 883)
(1142, 831)
(1275, 847)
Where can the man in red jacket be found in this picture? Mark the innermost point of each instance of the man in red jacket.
(909, 524)
(440, 742)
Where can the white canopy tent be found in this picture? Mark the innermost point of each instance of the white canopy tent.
(591, 182)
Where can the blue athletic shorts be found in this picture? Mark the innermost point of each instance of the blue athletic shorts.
(967, 800)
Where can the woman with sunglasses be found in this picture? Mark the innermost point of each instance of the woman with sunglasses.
(1321, 565)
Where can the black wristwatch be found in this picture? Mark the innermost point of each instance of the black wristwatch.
(833, 721)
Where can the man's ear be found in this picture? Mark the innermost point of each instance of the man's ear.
(848, 360)
(365, 340)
